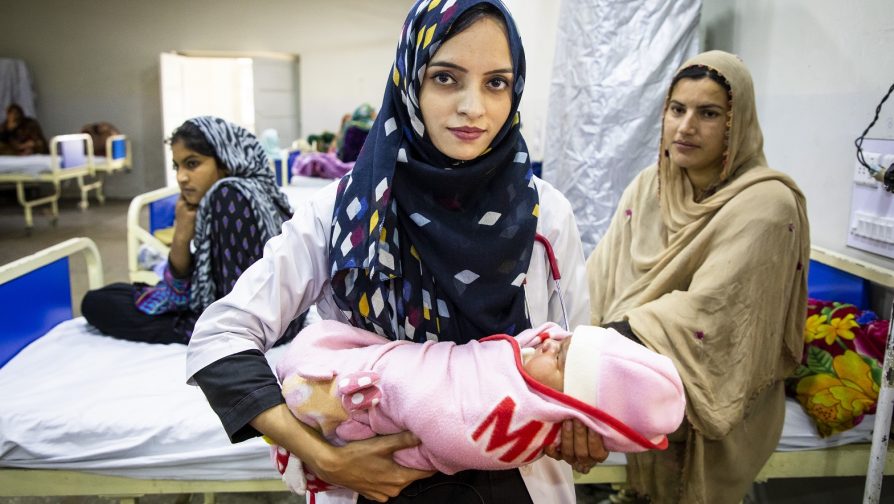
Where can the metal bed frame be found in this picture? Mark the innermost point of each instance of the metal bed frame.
(57, 173)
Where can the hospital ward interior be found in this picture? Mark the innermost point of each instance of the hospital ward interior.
(189, 189)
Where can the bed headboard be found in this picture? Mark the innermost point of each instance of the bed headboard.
(35, 292)
(161, 203)
(162, 212)
(832, 284)
(72, 151)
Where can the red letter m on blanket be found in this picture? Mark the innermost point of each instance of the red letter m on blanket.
(521, 439)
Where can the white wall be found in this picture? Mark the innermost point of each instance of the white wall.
(820, 68)
(537, 22)
(97, 60)
(323, 91)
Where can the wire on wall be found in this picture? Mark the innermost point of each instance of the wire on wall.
(859, 141)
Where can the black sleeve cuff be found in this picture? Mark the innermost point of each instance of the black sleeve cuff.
(239, 387)
(623, 327)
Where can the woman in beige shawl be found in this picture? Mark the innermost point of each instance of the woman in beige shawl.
(705, 262)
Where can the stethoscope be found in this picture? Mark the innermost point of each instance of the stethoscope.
(554, 273)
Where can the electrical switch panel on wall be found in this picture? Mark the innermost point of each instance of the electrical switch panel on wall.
(872, 207)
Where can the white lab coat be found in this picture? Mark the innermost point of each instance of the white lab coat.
(294, 273)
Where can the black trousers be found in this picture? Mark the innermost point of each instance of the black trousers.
(472, 487)
(111, 309)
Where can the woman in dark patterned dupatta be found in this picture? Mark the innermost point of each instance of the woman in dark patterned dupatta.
(431, 237)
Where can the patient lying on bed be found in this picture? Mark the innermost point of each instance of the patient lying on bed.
(465, 401)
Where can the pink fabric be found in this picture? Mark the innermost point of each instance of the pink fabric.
(471, 405)
(639, 387)
(320, 164)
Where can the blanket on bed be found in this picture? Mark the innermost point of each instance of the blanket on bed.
(838, 380)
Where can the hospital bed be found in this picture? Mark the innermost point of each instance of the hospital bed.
(280, 165)
(71, 157)
(118, 156)
(160, 204)
(84, 414)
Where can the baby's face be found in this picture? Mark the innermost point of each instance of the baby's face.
(547, 365)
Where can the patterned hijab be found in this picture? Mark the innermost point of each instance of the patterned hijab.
(425, 247)
(250, 174)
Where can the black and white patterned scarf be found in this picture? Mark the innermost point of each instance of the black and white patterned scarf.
(250, 174)
(424, 248)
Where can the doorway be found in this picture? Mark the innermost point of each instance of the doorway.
(257, 91)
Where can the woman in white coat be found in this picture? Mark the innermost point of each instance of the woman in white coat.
(432, 236)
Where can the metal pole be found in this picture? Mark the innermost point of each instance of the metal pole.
(878, 454)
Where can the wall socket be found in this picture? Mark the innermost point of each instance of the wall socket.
(872, 207)
(864, 178)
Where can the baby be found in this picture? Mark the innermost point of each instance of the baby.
(490, 404)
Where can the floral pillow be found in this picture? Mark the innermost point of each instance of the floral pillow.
(840, 373)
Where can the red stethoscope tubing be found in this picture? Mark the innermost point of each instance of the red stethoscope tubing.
(554, 272)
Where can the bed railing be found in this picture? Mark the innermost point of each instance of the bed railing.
(138, 235)
(71, 157)
(35, 292)
(25, 265)
(66, 150)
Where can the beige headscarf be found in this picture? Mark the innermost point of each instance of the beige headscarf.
(720, 287)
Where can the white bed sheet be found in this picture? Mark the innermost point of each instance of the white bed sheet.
(799, 433)
(25, 165)
(302, 188)
(98, 412)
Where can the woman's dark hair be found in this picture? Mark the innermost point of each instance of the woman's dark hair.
(193, 139)
(699, 72)
(17, 108)
(469, 17)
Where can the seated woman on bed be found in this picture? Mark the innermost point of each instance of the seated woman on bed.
(705, 262)
(229, 207)
(20, 135)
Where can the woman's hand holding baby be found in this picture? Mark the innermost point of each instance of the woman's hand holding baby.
(580, 447)
(366, 467)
